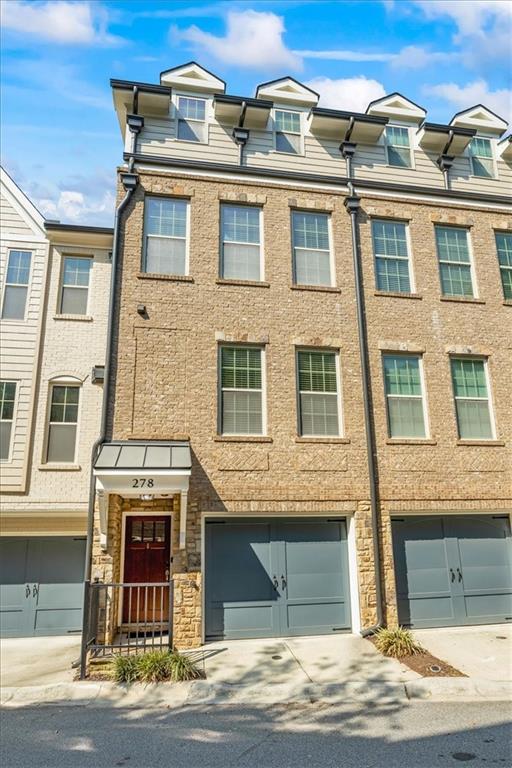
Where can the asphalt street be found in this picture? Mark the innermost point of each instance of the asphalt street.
(358, 735)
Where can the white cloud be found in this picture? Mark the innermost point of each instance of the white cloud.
(252, 40)
(416, 57)
(347, 93)
(76, 208)
(343, 55)
(58, 21)
(477, 92)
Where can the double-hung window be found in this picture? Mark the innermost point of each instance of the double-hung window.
(165, 236)
(404, 396)
(311, 248)
(318, 385)
(16, 285)
(241, 395)
(191, 119)
(241, 242)
(454, 261)
(63, 422)
(288, 132)
(75, 285)
(398, 146)
(480, 154)
(472, 406)
(7, 400)
(391, 253)
(504, 248)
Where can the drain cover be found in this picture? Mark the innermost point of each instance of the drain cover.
(434, 668)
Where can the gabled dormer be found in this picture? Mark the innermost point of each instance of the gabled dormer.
(292, 104)
(287, 90)
(482, 119)
(481, 150)
(192, 77)
(399, 136)
(397, 108)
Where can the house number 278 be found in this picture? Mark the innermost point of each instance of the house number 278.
(142, 482)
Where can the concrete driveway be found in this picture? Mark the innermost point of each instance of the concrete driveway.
(26, 661)
(300, 660)
(484, 652)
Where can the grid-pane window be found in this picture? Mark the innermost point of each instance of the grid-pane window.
(241, 391)
(504, 248)
(16, 285)
(398, 147)
(241, 244)
(288, 131)
(191, 119)
(7, 400)
(480, 152)
(75, 285)
(63, 423)
(391, 256)
(318, 393)
(165, 236)
(454, 261)
(311, 249)
(404, 397)
(472, 406)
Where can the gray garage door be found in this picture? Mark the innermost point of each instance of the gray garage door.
(453, 570)
(41, 586)
(270, 578)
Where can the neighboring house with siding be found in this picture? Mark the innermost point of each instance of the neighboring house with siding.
(55, 288)
(238, 443)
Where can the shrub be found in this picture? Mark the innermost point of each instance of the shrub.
(397, 642)
(155, 667)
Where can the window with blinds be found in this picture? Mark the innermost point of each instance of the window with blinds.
(311, 248)
(7, 401)
(63, 424)
(165, 236)
(392, 268)
(241, 242)
(75, 285)
(480, 153)
(504, 248)
(241, 384)
(398, 146)
(318, 393)
(16, 285)
(191, 119)
(404, 396)
(470, 390)
(288, 132)
(454, 261)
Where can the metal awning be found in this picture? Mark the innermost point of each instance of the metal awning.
(442, 139)
(142, 469)
(348, 126)
(242, 111)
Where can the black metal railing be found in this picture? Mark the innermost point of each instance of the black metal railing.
(127, 618)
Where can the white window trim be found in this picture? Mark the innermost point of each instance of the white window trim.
(397, 124)
(422, 396)
(263, 390)
(221, 254)
(64, 381)
(205, 122)
(332, 260)
(339, 401)
(301, 115)
(12, 320)
(17, 384)
(408, 258)
(489, 398)
(501, 268)
(84, 288)
(186, 238)
(471, 263)
(468, 154)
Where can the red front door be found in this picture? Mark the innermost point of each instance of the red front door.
(146, 561)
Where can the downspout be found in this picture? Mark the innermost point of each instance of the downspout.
(241, 134)
(129, 181)
(352, 204)
(445, 161)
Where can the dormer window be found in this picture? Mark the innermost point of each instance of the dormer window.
(398, 146)
(480, 153)
(191, 119)
(287, 132)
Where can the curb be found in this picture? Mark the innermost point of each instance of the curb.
(205, 693)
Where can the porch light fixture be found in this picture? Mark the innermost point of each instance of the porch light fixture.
(146, 497)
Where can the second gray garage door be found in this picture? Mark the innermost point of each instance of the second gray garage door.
(453, 570)
(270, 578)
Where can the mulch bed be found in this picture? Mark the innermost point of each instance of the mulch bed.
(422, 663)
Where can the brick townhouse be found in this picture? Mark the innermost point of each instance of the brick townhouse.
(54, 304)
(309, 423)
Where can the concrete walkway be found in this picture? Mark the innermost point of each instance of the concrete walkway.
(480, 652)
(27, 661)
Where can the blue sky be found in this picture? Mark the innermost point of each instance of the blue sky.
(60, 137)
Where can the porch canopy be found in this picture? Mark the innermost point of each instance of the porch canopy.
(142, 469)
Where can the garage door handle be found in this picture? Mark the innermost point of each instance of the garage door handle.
(459, 574)
(27, 590)
(35, 591)
(283, 582)
(275, 582)
(452, 574)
